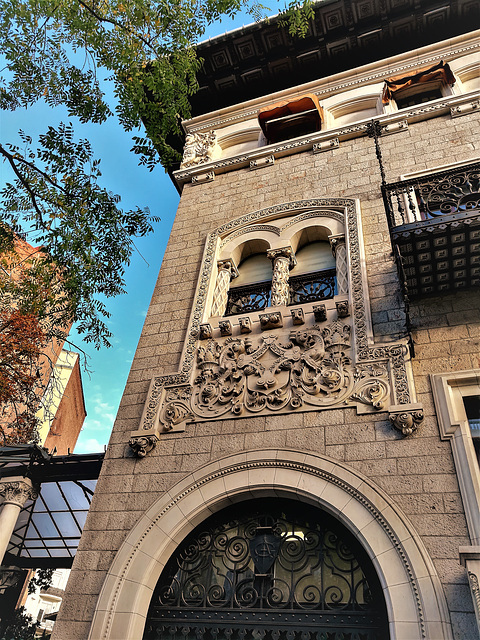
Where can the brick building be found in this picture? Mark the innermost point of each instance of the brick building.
(294, 454)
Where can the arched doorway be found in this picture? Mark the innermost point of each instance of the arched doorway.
(272, 569)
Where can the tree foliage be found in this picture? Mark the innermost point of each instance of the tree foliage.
(16, 625)
(60, 52)
(65, 52)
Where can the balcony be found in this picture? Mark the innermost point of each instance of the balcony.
(434, 223)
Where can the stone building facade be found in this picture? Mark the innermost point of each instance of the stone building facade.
(301, 375)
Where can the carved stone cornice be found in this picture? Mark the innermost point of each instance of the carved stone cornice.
(406, 418)
(391, 123)
(17, 492)
(339, 83)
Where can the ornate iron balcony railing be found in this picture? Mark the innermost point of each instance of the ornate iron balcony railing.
(313, 287)
(434, 225)
(252, 297)
(427, 197)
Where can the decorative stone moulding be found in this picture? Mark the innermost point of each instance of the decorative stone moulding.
(298, 317)
(225, 327)
(271, 321)
(465, 109)
(259, 163)
(324, 140)
(201, 178)
(269, 369)
(320, 312)
(406, 418)
(395, 127)
(245, 325)
(205, 332)
(326, 145)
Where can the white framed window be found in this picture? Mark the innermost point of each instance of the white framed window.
(457, 400)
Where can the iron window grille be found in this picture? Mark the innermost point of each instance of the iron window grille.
(260, 570)
(253, 297)
(312, 287)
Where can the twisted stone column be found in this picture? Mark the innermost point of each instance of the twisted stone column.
(15, 491)
(283, 260)
(339, 251)
(226, 272)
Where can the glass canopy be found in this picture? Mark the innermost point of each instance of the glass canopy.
(49, 528)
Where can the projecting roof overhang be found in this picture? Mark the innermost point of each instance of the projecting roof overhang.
(48, 529)
(263, 58)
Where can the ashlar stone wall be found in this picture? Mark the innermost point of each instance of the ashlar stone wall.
(418, 471)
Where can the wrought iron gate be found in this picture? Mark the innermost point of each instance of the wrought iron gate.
(268, 570)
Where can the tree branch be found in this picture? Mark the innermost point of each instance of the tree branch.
(115, 23)
(12, 158)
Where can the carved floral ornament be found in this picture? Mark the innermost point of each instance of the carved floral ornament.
(17, 492)
(328, 362)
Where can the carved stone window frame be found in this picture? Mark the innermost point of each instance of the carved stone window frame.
(276, 241)
(449, 390)
(171, 399)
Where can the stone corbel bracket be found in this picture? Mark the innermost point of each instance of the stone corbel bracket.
(465, 109)
(142, 443)
(406, 418)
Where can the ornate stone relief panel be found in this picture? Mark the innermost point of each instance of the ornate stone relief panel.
(310, 368)
(331, 361)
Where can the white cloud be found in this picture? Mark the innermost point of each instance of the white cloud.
(91, 445)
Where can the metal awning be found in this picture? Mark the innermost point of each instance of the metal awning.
(49, 528)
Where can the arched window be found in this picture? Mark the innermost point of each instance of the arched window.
(313, 278)
(251, 290)
(268, 569)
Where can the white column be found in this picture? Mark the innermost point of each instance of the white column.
(283, 261)
(226, 272)
(15, 491)
(339, 251)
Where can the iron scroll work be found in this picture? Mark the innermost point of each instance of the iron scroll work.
(262, 572)
(333, 363)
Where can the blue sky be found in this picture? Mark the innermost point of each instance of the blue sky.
(109, 368)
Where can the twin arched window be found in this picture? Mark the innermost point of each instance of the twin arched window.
(311, 277)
